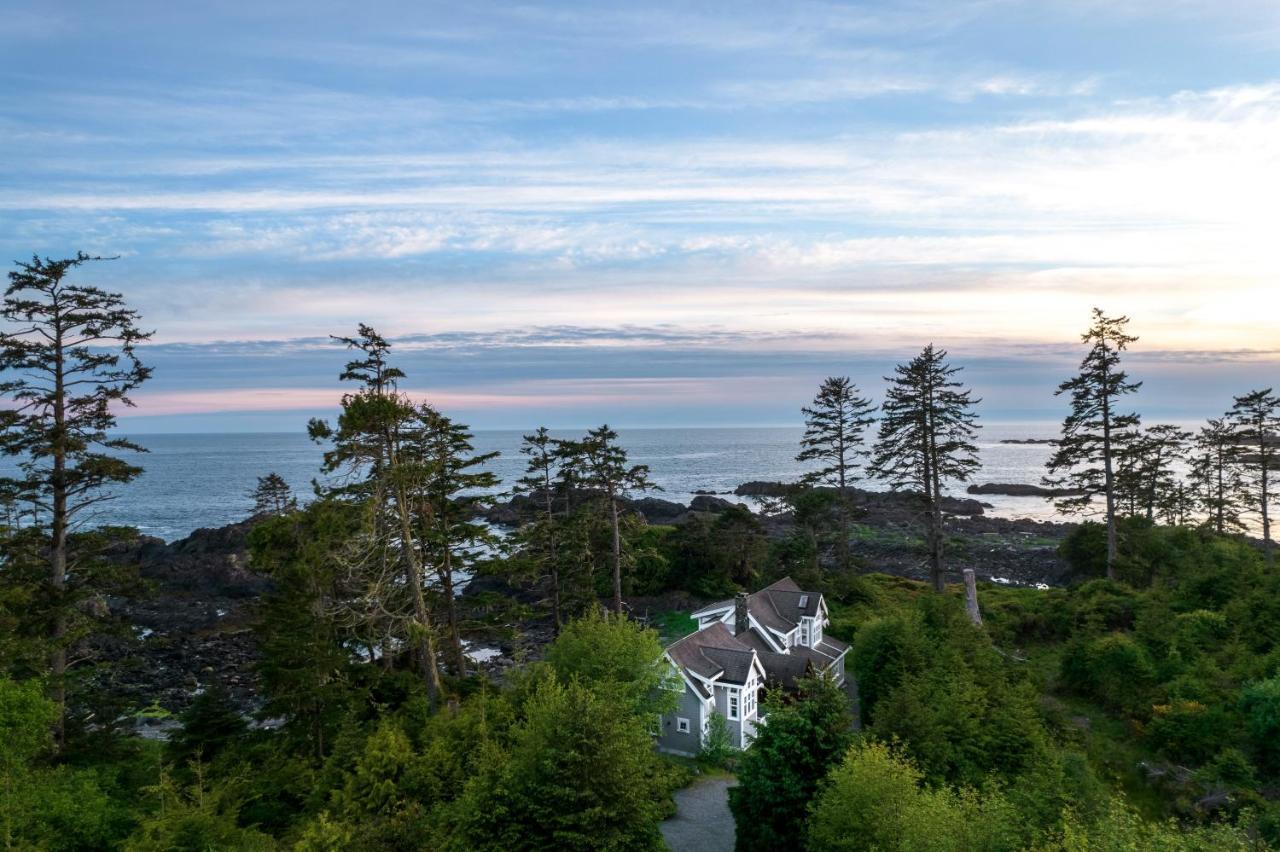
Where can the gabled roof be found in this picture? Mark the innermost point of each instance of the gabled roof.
(781, 606)
(786, 669)
(778, 607)
(714, 652)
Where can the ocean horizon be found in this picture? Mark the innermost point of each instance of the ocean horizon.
(203, 479)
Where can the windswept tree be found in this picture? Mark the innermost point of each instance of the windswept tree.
(1255, 420)
(67, 364)
(272, 496)
(834, 427)
(1159, 447)
(605, 469)
(541, 536)
(1215, 476)
(447, 479)
(926, 440)
(1094, 433)
(364, 457)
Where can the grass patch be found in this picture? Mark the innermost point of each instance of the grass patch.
(672, 625)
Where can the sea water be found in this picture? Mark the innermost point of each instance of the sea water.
(204, 480)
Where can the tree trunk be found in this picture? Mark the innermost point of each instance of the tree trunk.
(1265, 461)
(422, 616)
(1109, 483)
(552, 555)
(971, 597)
(843, 540)
(451, 610)
(617, 556)
(58, 544)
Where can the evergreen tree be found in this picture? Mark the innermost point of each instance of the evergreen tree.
(306, 665)
(1158, 449)
(1094, 432)
(581, 775)
(542, 476)
(364, 454)
(272, 496)
(1255, 419)
(796, 745)
(209, 726)
(1215, 476)
(67, 357)
(833, 437)
(605, 470)
(446, 487)
(926, 439)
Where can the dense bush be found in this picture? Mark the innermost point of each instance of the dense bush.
(876, 799)
(1114, 670)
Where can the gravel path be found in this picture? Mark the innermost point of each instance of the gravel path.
(702, 822)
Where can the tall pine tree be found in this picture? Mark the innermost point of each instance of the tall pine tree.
(68, 361)
(926, 439)
(541, 536)
(365, 458)
(834, 427)
(1215, 476)
(1094, 432)
(605, 470)
(1255, 419)
(448, 482)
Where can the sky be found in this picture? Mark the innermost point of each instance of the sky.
(653, 214)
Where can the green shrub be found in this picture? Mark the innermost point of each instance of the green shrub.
(717, 746)
(1114, 670)
(876, 800)
(1188, 731)
(884, 651)
(1260, 703)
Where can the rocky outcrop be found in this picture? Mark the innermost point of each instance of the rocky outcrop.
(879, 504)
(1012, 489)
(706, 503)
(209, 561)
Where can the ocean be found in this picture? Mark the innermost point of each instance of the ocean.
(203, 480)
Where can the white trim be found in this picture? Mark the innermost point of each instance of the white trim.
(682, 725)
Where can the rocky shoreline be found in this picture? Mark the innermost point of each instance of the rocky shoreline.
(194, 626)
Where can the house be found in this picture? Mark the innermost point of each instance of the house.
(772, 637)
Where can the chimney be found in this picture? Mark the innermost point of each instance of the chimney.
(740, 622)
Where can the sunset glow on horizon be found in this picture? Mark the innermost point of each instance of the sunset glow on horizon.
(655, 213)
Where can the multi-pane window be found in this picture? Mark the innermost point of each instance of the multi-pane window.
(733, 705)
(804, 632)
(682, 724)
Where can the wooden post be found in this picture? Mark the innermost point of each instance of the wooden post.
(971, 597)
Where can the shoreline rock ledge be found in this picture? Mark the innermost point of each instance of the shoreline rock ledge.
(1014, 489)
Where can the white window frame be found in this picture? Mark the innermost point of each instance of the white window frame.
(735, 705)
(682, 725)
(804, 632)
(817, 632)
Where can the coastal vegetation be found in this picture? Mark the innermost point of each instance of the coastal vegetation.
(1133, 705)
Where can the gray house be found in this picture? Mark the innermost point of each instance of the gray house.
(772, 637)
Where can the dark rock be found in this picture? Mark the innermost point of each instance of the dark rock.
(706, 503)
(1029, 441)
(658, 511)
(1009, 489)
(757, 488)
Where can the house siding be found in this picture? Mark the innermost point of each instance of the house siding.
(722, 707)
(837, 670)
(689, 706)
